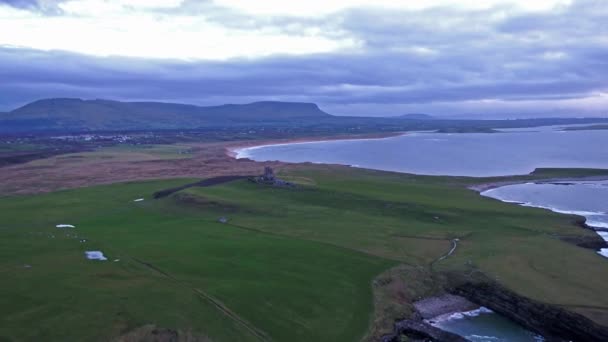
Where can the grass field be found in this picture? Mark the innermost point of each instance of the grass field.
(289, 265)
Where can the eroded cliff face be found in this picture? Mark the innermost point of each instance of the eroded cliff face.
(553, 322)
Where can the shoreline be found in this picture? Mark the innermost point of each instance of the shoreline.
(482, 187)
(601, 231)
(233, 151)
(434, 308)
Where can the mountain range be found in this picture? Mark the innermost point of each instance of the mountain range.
(77, 115)
(417, 116)
(82, 115)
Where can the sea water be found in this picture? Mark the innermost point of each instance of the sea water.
(483, 325)
(584, 198)
(509, 152)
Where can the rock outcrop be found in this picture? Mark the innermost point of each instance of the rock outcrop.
(590, 242)
(418, 330)
(441, 305)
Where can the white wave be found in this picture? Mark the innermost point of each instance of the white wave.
(459, 315)
(587, 214)
(554, 209)
(244, 152)
(95, 255)
(578, 212)
(563, 211)
(509, 201)
(590, 222)
(477, 312)
(63, 225)
(596, 224)
(482, 338)
(604, 235)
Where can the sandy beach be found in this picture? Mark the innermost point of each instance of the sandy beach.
(233, 150)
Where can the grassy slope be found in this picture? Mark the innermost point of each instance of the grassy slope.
(400, 217)
(295, 264)
(285, 287)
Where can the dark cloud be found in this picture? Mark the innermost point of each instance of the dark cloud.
(439, 60)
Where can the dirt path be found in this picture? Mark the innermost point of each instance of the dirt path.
(450, 252)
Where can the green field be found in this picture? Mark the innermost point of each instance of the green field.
(289, 265)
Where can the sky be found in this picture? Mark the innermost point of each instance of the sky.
(453, 58)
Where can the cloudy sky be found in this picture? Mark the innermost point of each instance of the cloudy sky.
(490, 58)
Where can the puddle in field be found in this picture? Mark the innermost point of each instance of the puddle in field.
(95, 255)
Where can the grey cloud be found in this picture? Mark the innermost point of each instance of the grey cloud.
(469, 57)
(20, 3)
(332, 80)
(45, 7)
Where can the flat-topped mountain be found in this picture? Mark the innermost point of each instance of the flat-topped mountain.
(77, 114)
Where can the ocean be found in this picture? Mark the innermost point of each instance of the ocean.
(584, 198)
(509, 152)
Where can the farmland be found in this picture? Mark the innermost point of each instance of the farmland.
(295, 264)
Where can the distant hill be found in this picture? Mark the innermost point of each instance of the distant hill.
(587, 128)
(471, 129)
(76, 114)
(416, 116)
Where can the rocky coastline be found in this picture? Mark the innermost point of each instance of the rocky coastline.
(550, 321)
(419, 327)
(418, 330)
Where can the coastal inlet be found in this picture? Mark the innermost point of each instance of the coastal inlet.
(584, 198)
